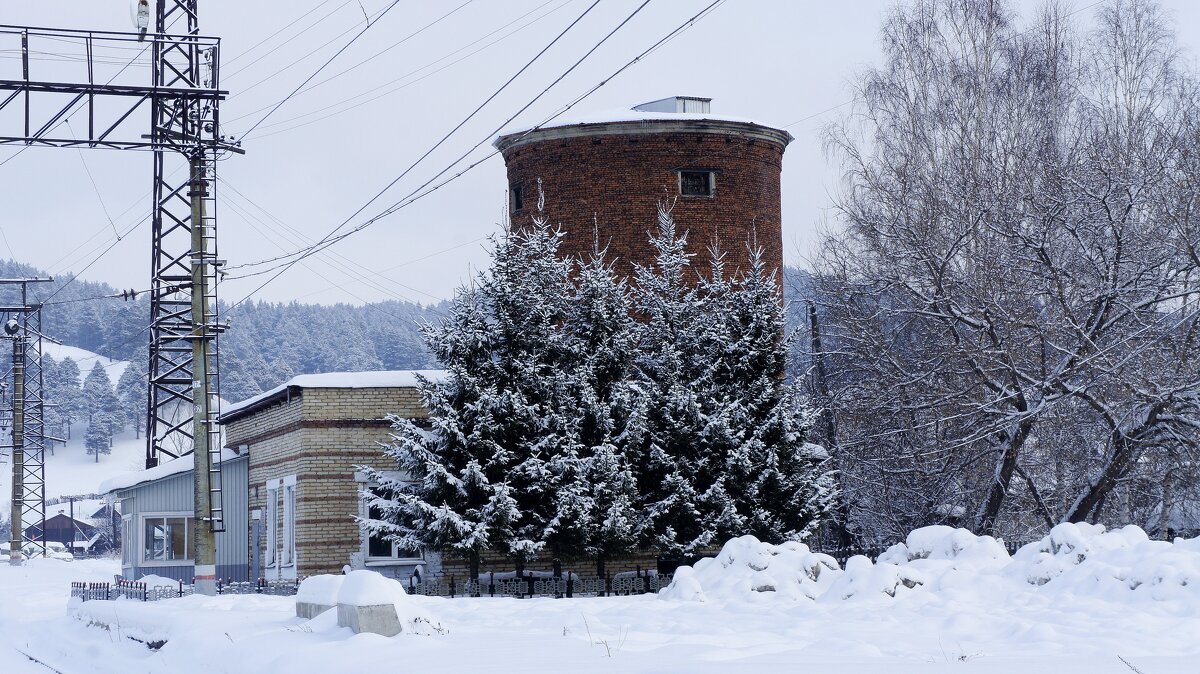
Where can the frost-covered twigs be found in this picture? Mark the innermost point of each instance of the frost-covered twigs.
(1010, 312)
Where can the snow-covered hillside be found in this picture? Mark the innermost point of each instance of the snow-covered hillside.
(84, 359)
(70, 470)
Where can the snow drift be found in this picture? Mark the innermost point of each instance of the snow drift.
(1076, 559)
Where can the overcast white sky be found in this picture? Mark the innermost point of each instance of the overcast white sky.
(321, 156)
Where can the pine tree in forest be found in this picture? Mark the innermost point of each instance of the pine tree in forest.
(97, 391)
(132, 392)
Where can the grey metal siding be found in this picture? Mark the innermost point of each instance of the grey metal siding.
(231, 543)
(175, 493)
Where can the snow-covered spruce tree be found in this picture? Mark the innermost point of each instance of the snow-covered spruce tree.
(669, 422)
(480, 476)
(596, 493)
(779, 485)
(132, 392)
(98, 439)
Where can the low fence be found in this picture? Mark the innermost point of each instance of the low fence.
(524, 587)
(520, 585)
(139, 591)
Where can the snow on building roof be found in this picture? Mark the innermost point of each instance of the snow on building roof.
(633, 114)
(374, 379)
(173, 467)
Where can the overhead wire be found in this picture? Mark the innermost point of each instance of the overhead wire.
(342, 264)
(312, 52)
(458, 126)
(330, 239)
(270, 37)
(414, 71)
(324, 65)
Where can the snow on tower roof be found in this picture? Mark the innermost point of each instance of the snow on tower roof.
(374, 379)
(644, 112)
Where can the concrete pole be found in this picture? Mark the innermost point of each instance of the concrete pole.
(203, 539)
(18, 452)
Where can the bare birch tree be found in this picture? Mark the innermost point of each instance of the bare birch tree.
(1011, 305)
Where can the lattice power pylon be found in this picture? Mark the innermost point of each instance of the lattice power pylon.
(183, 100)
(25, 418)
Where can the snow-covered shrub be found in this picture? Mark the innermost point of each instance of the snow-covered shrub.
(1074, 559)
(747, 565)
(1088, 559)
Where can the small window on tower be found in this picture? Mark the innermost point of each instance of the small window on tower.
(696, 183)
(517, 204)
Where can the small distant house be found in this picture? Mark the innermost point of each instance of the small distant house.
(303, 441)
(62, 529)
(157, 509)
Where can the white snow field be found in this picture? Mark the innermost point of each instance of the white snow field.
(1081, 600)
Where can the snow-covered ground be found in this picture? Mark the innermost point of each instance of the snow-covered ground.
(71, 471)
(1080, 601)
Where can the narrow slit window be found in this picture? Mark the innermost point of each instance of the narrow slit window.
(517, 202)
(696, 183)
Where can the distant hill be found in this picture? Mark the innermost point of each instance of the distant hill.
(269, 342)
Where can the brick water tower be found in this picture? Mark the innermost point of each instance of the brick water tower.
(611, 171)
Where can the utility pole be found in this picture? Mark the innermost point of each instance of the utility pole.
(205, 538)
(12, 328)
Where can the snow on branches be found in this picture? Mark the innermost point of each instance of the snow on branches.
(587, 416)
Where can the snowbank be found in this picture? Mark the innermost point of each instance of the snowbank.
(322, 589)
(1076, 559)
(746, 567)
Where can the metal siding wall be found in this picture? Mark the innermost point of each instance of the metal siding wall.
(176, 494)
(231, 544)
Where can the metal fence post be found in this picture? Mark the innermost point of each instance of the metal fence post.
(452, 587)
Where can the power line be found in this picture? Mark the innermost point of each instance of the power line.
(342, 264)
(415, 70)
(312, 25)
(446, 137)
(330, 238)
(324, 65)
(294, 22)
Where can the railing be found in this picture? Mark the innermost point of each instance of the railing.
(527, 586)
(139, 591)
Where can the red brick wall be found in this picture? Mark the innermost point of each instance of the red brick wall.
(618, 180)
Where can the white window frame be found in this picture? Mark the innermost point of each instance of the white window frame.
(140, 538)
(364, 488)
(287, 554)
(128, 535)
(271, 515)
(280, 515)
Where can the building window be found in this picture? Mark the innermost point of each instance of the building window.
(167, 538)
(696, 183)
(288, 553)
(280, 515)
(378, 548)
(272, 516)
(127, 540)
(517, 203)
